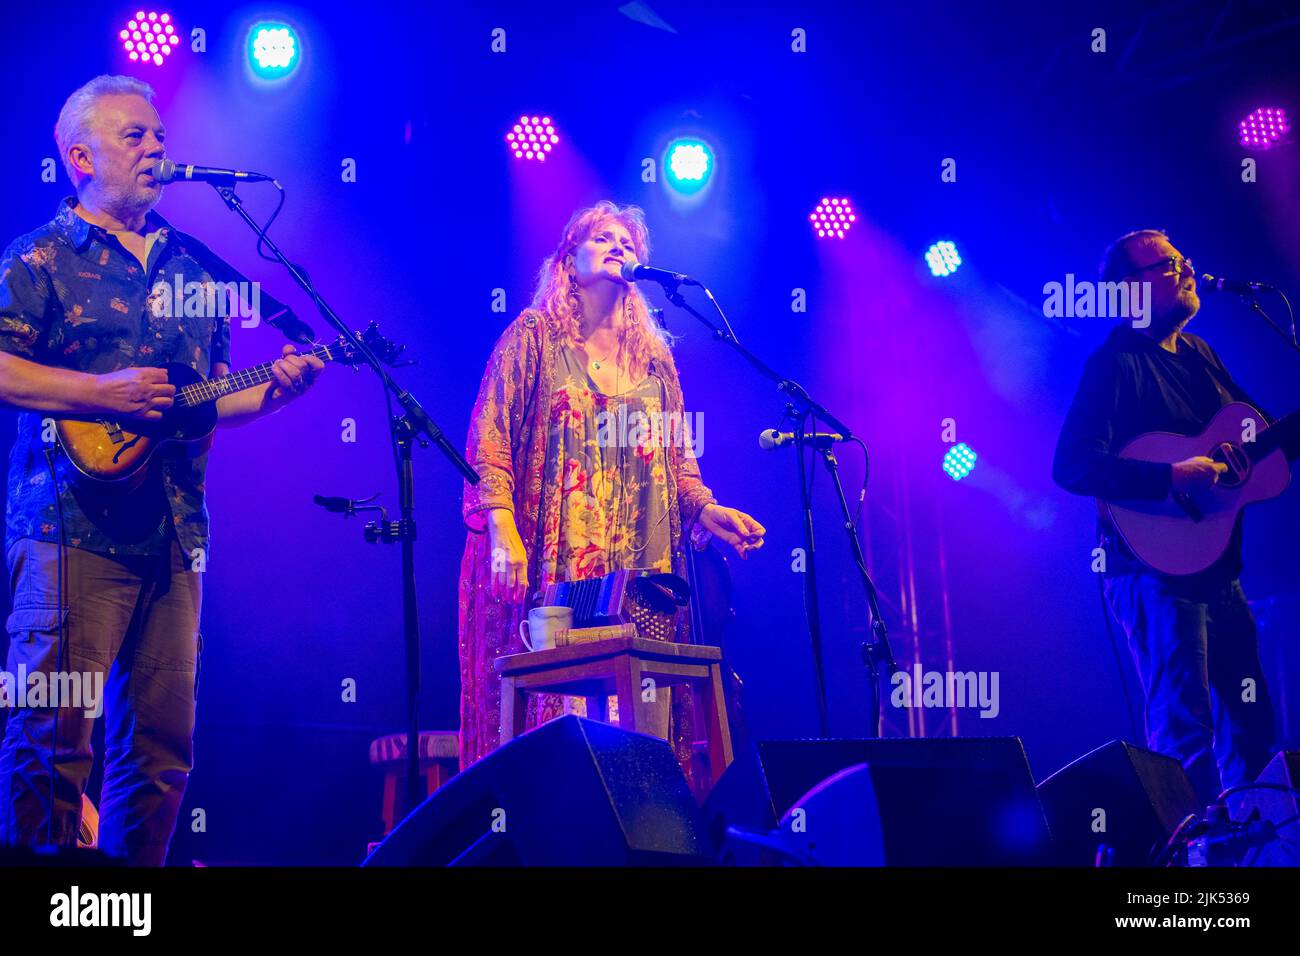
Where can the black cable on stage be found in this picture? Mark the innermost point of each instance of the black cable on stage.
(1291, 313)
(1166, 854)
(877, 717)
(261, 234)
(263, 230)
(1281, 787)
(261, 237)
(866, 473)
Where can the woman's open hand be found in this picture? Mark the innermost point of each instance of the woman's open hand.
(509, 561)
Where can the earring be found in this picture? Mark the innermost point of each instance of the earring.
(574, 297)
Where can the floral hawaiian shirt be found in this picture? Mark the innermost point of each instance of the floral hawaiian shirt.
(72, 296)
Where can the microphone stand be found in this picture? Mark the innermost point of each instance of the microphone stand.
(875, 649)
(801, 408)
(1290, 340)
(414, 425)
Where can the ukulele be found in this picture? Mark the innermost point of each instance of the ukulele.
(108, 455)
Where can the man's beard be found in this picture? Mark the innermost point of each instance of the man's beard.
(1176, 316)
(129, 199)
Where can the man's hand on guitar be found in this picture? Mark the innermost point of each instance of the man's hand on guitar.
(135, 393)
(294, 374)
(1195, 474)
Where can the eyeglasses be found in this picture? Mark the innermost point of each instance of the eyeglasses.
(1175, 264)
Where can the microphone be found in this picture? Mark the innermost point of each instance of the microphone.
(633, 270)
(165, 171)
(771, 438)
(1240, 287)
(335, 504)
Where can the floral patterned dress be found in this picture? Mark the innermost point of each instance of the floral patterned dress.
(583, 505)
(604, 453)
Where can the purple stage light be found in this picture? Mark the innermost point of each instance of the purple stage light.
(533, 137)
(832, 218)
(149, 37)
(1265, 128)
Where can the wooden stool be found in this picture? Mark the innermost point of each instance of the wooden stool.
(601, 668)
(439, 762)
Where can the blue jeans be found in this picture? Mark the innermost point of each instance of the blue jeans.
(1197, 654)
(132, 624)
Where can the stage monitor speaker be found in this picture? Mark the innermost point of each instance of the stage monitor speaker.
(949, 801)
(1281, 807)
(573, 792)
(1120, 797)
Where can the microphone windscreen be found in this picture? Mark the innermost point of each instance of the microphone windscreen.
(164, 171)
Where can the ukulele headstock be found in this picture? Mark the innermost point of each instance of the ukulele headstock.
(385, 350)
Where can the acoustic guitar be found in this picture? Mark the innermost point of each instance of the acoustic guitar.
(1186, 533)
(109, 456)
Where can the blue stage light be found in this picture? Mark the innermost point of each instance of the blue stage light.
(942, 258)
(273, 50)
(688, 165)
(959, 461)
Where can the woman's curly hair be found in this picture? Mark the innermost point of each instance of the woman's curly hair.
(556, 299)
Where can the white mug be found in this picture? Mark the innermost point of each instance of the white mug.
(539, 630)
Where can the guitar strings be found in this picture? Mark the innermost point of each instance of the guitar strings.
(198, 393)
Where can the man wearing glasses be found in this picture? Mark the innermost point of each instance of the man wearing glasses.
(1192, 637)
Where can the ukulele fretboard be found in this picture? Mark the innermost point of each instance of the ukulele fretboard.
(213, 388)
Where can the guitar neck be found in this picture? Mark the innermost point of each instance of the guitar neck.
(212, 389)
(1281, 433)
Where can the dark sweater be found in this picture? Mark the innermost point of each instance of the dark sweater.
(1131, 386)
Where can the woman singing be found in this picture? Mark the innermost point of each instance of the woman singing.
(562, 495)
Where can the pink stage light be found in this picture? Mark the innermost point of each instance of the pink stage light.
(832, 218)
(1265, 128)
(533, 137)
(149, 37)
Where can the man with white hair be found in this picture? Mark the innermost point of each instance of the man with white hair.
(107, 586)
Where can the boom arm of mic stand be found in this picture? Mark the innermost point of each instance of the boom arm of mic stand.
(402, 429)
(1268, 320)
(420, 421)
(878, 648)
(726, 335)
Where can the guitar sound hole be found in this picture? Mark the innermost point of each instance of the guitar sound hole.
(1237, 461)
